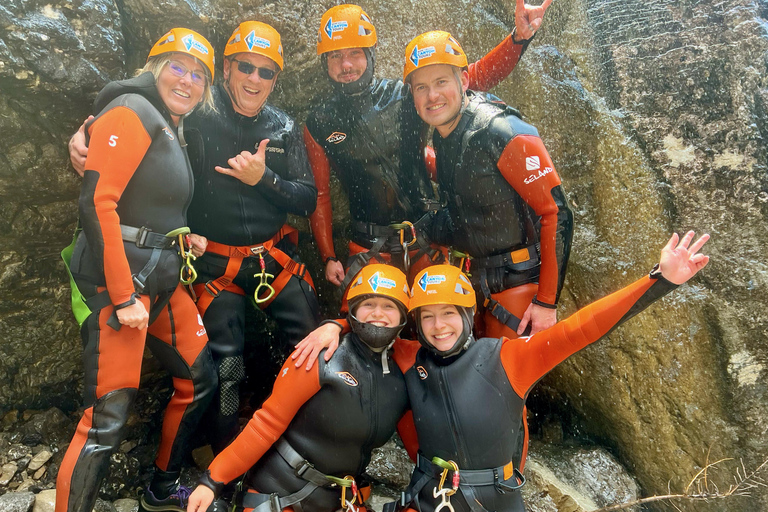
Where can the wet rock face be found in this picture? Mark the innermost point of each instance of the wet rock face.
(654, 113)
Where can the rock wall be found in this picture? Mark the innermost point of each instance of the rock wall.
(654, 112)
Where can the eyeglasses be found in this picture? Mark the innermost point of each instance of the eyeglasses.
(247, 68)
(180, 70)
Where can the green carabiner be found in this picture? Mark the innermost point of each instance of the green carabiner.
(263, 283)
(191, 273)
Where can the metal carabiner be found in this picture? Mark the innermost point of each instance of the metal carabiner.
(445, 493)
(263, 283)
(187, 273)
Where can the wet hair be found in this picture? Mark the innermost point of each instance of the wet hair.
(156, 64)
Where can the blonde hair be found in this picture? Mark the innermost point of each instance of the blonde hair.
(156, 64)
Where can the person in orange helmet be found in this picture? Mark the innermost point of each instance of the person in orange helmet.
(472, 447)
(364, 132)
(505, 201)
(126, 264)
(308, 446)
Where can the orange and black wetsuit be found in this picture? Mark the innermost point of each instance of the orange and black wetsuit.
(244, 224)
(367, 139)
(482, 436)
(137, 176)
(508, 211)
(332, 417)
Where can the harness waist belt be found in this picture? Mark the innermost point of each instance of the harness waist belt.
(375, 230)
(144, 237)
(498, 476)
(520, 259)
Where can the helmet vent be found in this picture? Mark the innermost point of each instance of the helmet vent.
(460, 290)
(450, 49)
(365, 18)
(168, 39)
(362, 31)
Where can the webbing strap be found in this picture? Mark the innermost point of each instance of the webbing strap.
(360, 260)
(272, 502)
(499, 312)
(236, 254)
(302, 467)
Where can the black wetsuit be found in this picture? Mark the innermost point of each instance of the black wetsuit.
(136, 176)
(231, 213)
(333, 416)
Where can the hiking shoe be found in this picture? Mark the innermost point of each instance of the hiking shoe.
(176, 502)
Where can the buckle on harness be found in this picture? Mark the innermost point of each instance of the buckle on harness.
(212, 289)
(141, 237)
(257, 250)
(304, 465)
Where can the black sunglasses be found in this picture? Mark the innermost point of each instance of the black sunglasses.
(247, 68)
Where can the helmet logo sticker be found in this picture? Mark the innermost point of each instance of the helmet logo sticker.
(377, 280)
(336, 137)
(532, 163)
(427, 279)
(347, 378)
(417, 54)
(331, 27)
(422, 372)
(253, 40)
(190, 43)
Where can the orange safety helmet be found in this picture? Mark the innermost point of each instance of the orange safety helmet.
(381, 280)
(442, 284)
(184, 40)
(436, 47)
(256, 37)
(345, 26)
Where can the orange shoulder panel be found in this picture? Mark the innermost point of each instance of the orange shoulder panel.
(118, 143)
(321, 219)
(526, 360)
(487, 72)
(292, 389)
(526, 165)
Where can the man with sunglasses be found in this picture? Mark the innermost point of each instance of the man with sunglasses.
(250, 170)
(358, 131)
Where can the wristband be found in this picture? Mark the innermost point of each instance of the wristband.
(206, 480)
(129, 302)
(655, 272)
(536, 301)
(331, 258)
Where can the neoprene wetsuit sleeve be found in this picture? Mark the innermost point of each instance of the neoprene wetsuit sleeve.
(321, 219)
(293, 388)
(526, 360)
(535, 187)
(118, 143)
(296, 192)
(496, 65)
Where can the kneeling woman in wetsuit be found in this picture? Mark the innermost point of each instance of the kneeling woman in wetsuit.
(126, 263)
(320, 426)
(467, 396)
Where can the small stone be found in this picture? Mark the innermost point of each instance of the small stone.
(26, 485)
(126, 505)
(17, 502)
(103, 506)
(17, 451)
(39, 459)
(23, 463)
(39, 473)
(45, 501)
(7, 472)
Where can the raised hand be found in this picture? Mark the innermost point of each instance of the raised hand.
(247, 167)
(681, 261)
(528, 18)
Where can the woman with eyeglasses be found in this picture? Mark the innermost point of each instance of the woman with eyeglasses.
(128, 262)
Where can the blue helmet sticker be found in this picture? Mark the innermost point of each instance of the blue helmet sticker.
(331, 27)
(417, 54)
(427, 279)
(190, 43)
(377, 280)
(252, 40)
